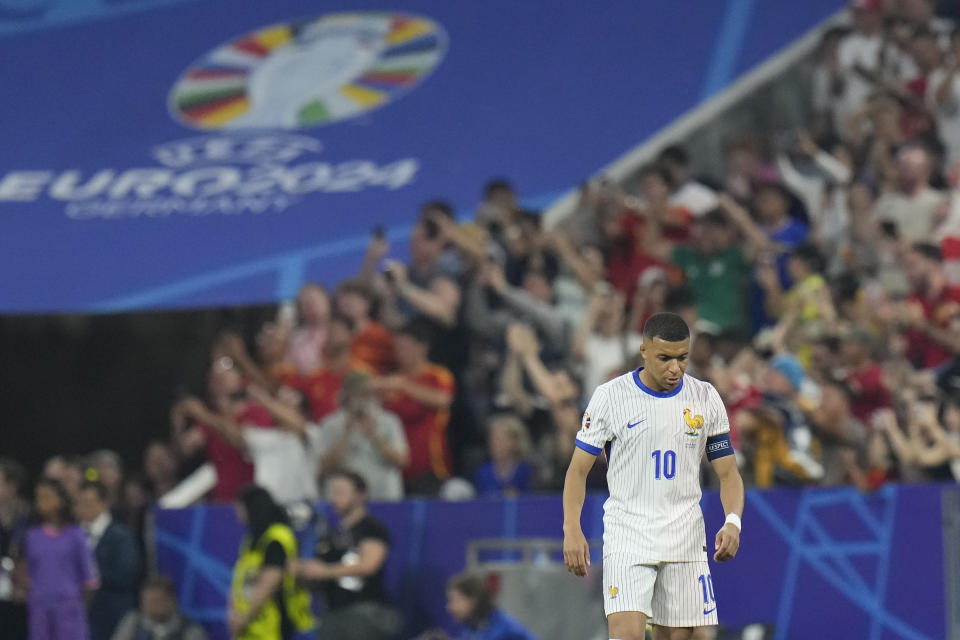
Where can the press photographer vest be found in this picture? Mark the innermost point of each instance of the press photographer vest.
(266, 626)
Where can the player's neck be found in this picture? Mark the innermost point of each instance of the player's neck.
(650, 383)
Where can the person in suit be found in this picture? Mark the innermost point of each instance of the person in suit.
(14, 522)
(115, 551)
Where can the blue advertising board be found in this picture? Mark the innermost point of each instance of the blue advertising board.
(815, 563)
(185, 153)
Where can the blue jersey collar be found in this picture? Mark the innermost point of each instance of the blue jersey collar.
(656, 394)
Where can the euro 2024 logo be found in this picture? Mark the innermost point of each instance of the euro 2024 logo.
(309, 72)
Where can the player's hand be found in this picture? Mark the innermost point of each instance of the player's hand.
(727, 543)
(576, 553)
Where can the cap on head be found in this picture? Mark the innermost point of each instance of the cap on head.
(354, 382)
(790, 368)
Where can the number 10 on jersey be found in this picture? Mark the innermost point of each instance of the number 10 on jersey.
(669, 466)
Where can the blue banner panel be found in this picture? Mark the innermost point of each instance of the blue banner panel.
(811, 562)
(183, 153)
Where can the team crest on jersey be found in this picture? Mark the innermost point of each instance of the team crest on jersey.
(586, 421)
(694, 422)
(613, 591)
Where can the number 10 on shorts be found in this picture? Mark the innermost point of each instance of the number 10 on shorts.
(669, 467)
(706, 584)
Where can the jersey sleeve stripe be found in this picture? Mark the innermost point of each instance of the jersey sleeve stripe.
(589, 448)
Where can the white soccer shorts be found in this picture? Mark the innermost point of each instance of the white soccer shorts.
(671, 594)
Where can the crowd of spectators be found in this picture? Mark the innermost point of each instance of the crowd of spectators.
(819, 270)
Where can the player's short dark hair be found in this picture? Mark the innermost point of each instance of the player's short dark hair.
(97, 487)
(667, 326)
(359, 484)
(474, 586)
(160, 582)
(674, 154)
(928, 251)
(419, 329)
(13, 472)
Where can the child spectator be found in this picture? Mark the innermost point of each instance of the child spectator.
(60, 564)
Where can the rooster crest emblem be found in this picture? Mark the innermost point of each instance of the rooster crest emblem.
(694, 423)
(613, 591)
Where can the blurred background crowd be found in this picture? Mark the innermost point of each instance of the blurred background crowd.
(819, 270)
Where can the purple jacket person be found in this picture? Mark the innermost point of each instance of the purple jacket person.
(61, 568)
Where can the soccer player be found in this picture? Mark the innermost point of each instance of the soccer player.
(655, 424)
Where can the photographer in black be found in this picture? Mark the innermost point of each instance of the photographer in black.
(349, 568)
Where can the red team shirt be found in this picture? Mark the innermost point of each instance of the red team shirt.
(922, 350)
(426, 428)
(322, 389)
(373, 346)
(870, 393)
(234, 472)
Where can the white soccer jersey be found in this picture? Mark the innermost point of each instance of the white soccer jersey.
(654, 441)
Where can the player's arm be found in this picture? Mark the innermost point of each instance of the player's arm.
(721, 456)
(731, 495)
(576, 551)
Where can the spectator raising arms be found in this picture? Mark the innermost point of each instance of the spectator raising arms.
(602, 342)
(695, 197)
(372, 342)
(420, 394)
(283, 463)
(365, 439)
(716, 269)
(196, 426)
(322, 386)
(929, 309)
(306, 342)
